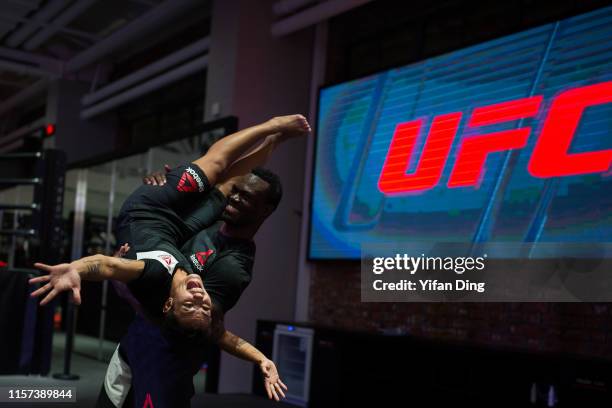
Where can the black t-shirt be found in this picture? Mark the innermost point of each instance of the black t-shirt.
(171, 213)
(206, 213)
(152, 287)
(156, 221)
(225, 264)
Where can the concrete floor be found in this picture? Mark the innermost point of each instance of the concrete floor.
(91, 373)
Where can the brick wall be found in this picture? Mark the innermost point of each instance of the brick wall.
(576, 328)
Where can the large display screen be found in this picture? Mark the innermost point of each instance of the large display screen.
(509, 141)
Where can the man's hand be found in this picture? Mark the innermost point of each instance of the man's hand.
(289, 126)
(274, 386)
(62, 277)
(158, 178)
(122, 251)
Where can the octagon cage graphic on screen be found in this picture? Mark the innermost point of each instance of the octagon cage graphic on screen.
(509, 140)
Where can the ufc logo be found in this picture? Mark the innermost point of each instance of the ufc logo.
(550, 157)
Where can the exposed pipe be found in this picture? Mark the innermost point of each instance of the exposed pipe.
(314, 15)
(11, 84)
(146, 23)
(20, 97)
(6, 25)
(147, 3)
(190, 51)
(22, 131)
(11, 146)
(26, 3)
(61, 21)
(150, 86)
(284, 7)
(44, 24)
(44, 14)
(21, 68)
(21, 56)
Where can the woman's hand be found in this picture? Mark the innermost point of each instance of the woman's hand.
(272, 382)
(61, 278)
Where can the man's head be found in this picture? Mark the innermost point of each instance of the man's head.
(253, 198)
(189, 304)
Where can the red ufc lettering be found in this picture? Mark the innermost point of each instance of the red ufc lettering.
(474, 150)
(549, 158)
(393, 177)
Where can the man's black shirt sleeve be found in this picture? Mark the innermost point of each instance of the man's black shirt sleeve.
(207, 212)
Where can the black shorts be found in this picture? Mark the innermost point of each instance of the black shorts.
(152, 217)
(151, 366)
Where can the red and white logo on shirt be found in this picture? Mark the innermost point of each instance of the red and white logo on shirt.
(199, 258)
(190, 182)
(167, 259)
(162, 257)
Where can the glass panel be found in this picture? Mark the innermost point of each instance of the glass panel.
(68, 211)
(292, 363)
(96, 214)
(130, 171)
(94, 242)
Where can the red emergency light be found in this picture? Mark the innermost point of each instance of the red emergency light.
(49, 129)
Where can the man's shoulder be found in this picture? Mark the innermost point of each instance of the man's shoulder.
(233, 259)
(202, 237)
